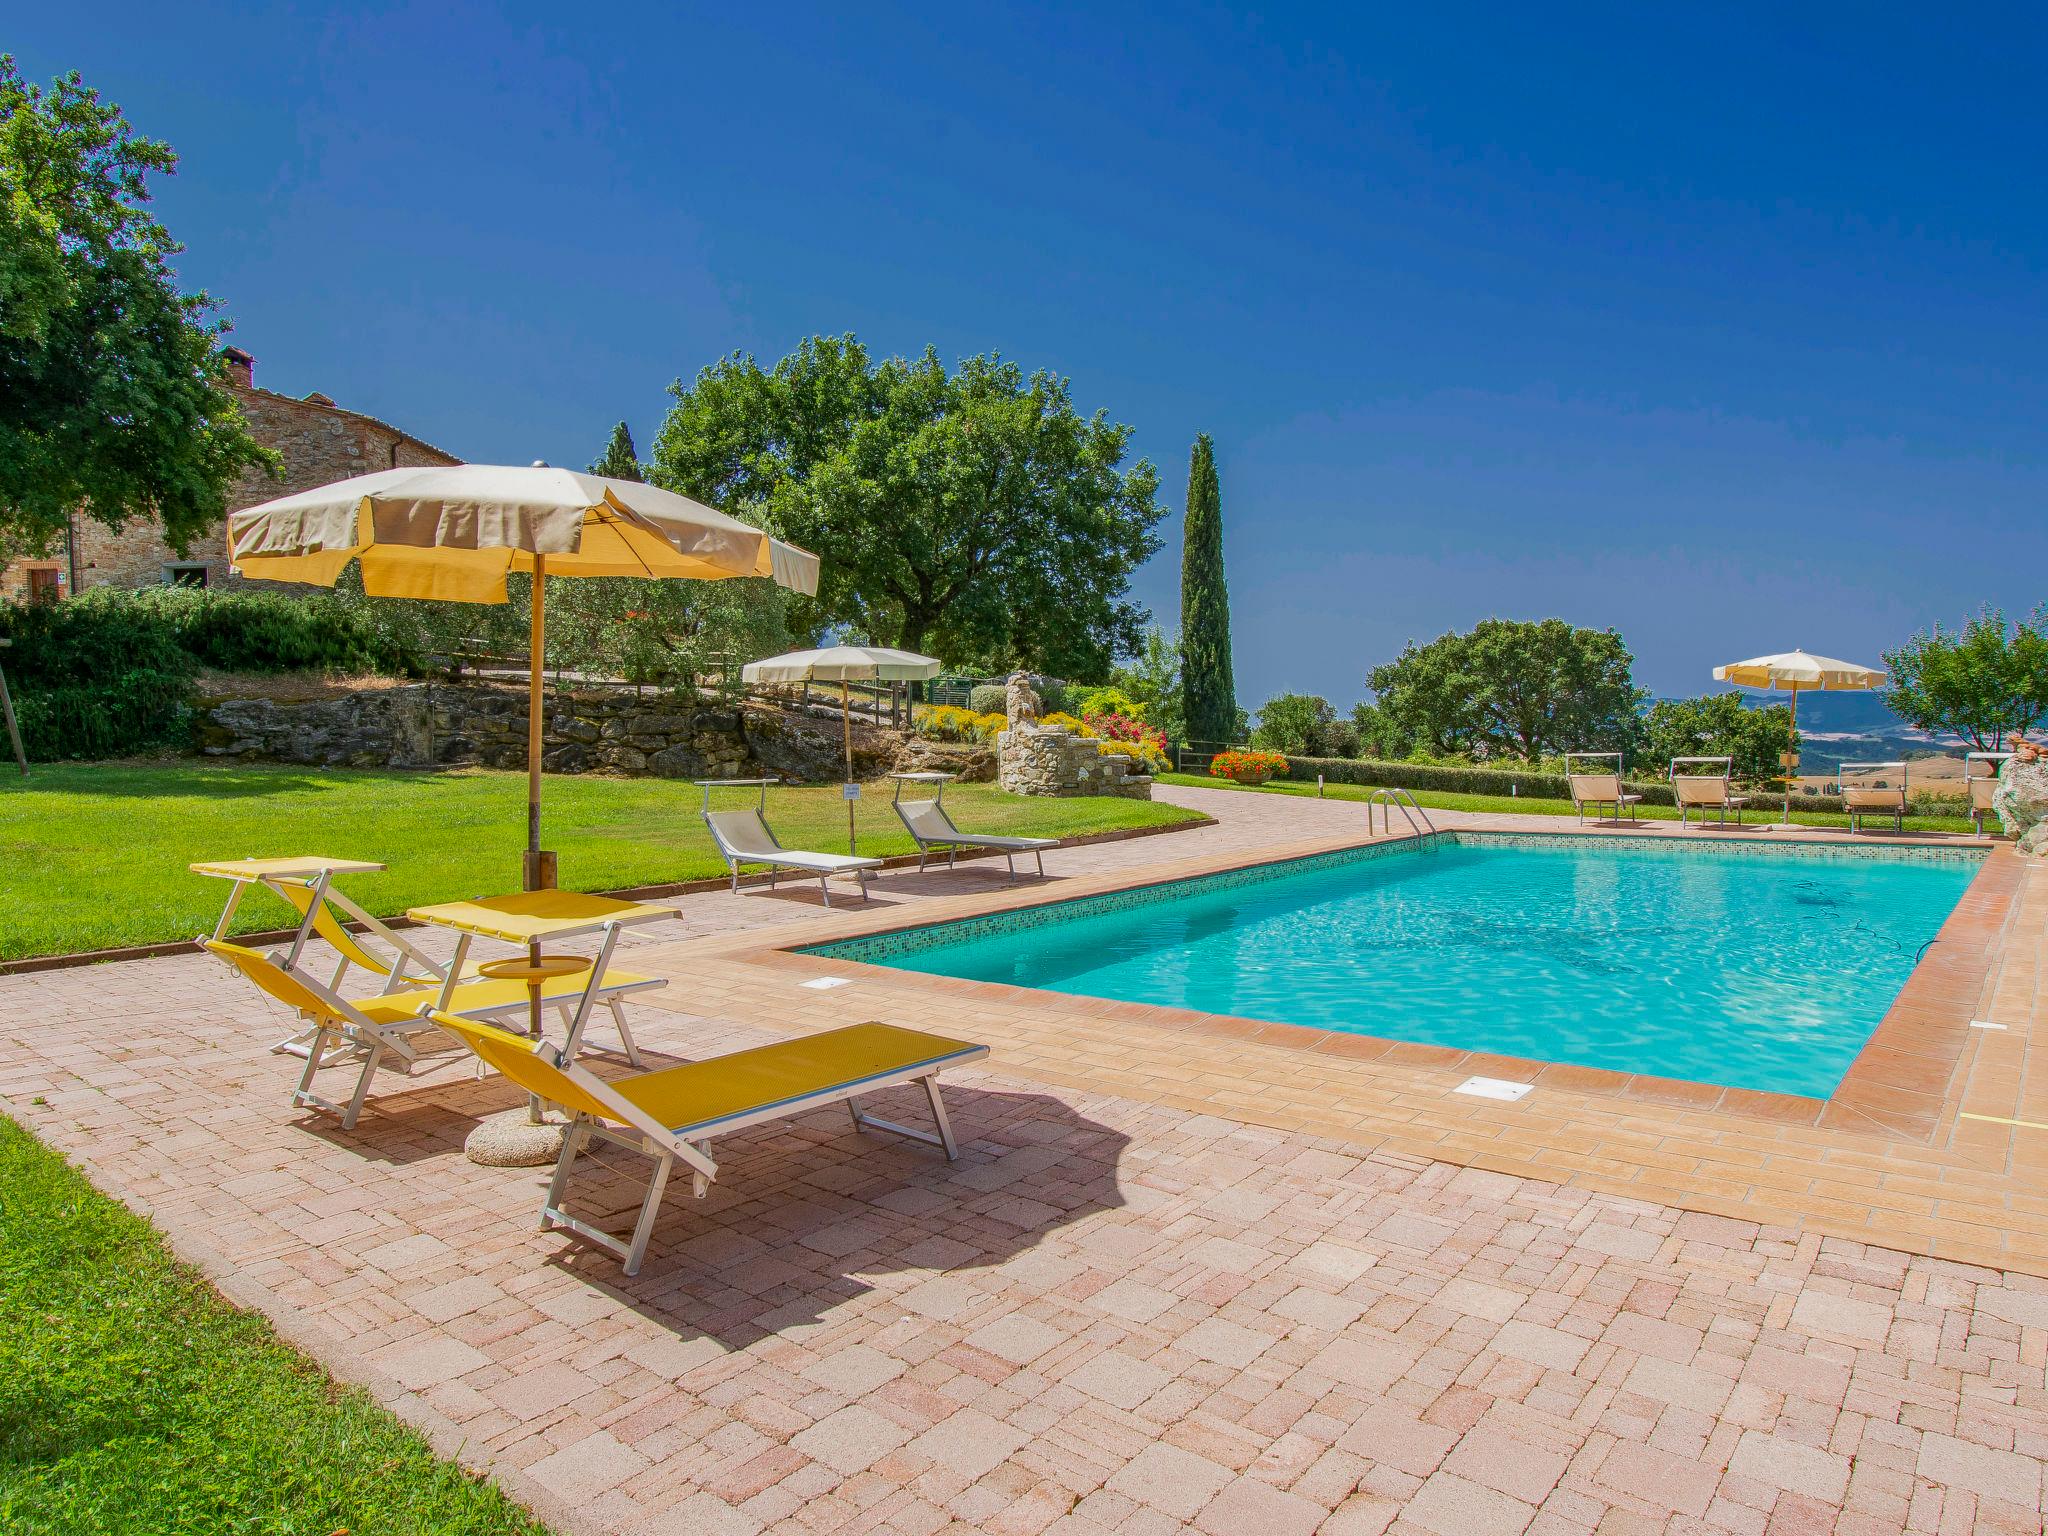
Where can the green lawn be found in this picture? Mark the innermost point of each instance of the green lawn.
(1431, 799)
(94, 855)
(133, 1399)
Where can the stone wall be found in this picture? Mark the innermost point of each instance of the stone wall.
(425, 725)
(319, 441)
(1040, 760)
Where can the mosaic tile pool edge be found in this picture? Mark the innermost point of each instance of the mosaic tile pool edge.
(880, 946)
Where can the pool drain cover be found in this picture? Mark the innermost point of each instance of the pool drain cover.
(1492, 1088)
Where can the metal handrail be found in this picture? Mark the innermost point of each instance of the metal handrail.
(1392, 800)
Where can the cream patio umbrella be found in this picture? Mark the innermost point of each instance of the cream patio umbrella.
(1795, 672)
(842, 664)
(454, 532)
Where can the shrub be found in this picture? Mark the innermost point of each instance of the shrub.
(94, 680)
(1147, 743)
(989, 699)
(240, 630)
(1252, 767)
(1151, 762)
(1090, 702)
(943, 722)
(1061, 721)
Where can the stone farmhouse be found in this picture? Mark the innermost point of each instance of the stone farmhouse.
(319, 442)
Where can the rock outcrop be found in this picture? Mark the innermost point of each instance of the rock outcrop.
(2021, 801)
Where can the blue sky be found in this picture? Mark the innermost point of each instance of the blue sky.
(1723, 329)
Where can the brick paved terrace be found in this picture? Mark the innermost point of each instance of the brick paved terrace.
(1188, 1274)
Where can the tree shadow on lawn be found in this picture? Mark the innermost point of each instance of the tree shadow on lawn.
(175, 780)
(803, 1211)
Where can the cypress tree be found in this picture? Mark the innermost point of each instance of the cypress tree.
(1208, 692)
(620, 460)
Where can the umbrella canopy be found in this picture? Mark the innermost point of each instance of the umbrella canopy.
(454, 533)
(1796, 672)
(842, 664)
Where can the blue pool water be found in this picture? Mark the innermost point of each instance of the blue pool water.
(1748, 968)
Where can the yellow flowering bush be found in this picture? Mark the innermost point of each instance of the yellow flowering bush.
(1142, 753)
(944, 722)
(1066, 722)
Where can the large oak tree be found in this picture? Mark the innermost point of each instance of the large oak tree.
(973, 513)
(111, 402)
(1512, 687)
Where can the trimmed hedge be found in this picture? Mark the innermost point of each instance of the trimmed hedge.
(1498, 781)
(269, 631)
(93, 680)
(111, 672)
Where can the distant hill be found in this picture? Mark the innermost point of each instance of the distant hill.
(1844, 711)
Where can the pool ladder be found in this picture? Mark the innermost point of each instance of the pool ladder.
(1392, 800)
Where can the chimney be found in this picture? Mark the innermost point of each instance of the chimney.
(241, 367)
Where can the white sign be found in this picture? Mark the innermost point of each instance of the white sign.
(849, 791)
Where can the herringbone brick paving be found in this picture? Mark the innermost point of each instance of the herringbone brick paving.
(1110, 1315)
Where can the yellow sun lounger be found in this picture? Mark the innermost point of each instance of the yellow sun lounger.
(305, 883)
(388, 1032)
(672, 1114)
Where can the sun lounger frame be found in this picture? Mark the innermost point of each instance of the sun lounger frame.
(1860, 802)
(1728, 801)
(1981, 785)
(318, 894)
(954, 839)
(780, 858)
(626, 1125)
(339, 1030)
(1598, 789)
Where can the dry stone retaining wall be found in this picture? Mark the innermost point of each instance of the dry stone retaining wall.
(425, 725)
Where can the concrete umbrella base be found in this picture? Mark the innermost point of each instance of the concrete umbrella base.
(511, 1139)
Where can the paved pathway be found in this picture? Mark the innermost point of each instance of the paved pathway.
(1108, 1316)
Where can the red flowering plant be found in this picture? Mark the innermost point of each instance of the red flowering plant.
(1149, 740)
(1247, 767)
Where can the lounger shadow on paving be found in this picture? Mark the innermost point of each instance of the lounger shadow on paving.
(671, 1115)
(932, 829)
(388, 1033)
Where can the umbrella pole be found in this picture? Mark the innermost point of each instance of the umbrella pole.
(846, 735)
(1792, 746)
(536, 871)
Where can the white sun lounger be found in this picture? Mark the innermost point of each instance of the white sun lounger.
(744, 837)
(1599, 786)
(932, 829)
(1706, 784)
(1861, 800)
(388, 1032)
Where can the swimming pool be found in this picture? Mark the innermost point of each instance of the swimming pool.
(1750, 965)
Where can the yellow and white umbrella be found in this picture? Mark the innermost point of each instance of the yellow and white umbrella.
(842, 664)
(1796, 672)
(454, 532)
